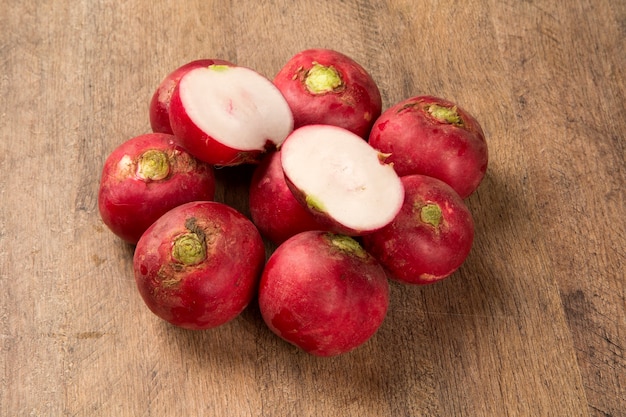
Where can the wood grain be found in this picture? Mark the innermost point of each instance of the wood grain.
(533, 324)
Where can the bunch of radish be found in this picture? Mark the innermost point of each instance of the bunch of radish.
(350, 196)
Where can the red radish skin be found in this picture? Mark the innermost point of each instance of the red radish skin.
(273, 207)
(145, 177)
(229, 116)
(323, 293)
(432, 136)
(429, 239)
(198, 266)
(159, 110)
(324, 86)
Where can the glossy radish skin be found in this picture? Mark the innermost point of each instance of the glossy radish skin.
(323, 293)
(159, 110)
(273, 207)
(432, 136)
(229, 116)
(344, 182)
(198, 266)
(145, 177)
(324, 86)
(429, 239)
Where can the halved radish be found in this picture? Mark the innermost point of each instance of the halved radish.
(229, 115)
(341, 179)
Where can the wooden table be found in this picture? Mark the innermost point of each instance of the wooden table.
(533, 324)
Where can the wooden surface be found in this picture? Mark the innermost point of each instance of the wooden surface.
(533, 324)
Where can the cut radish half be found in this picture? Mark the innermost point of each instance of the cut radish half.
(341, 179)
(229, 115)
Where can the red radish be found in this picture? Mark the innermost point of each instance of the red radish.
(198, 266)
(323, 293)
(430, 238)
(324, 86)
(341, 179)
(160, 102)
(145, 177)
(227, 115)
(273, 207)
(435, 137)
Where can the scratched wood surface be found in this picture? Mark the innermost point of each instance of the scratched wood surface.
(533, 324)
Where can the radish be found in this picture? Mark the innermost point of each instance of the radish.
(341, 179)
(145, 177)
(323, 86)
(323, 293)
(429, 239)
(435, 137)
(273, 207)
(228, 115)
(198, 266)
